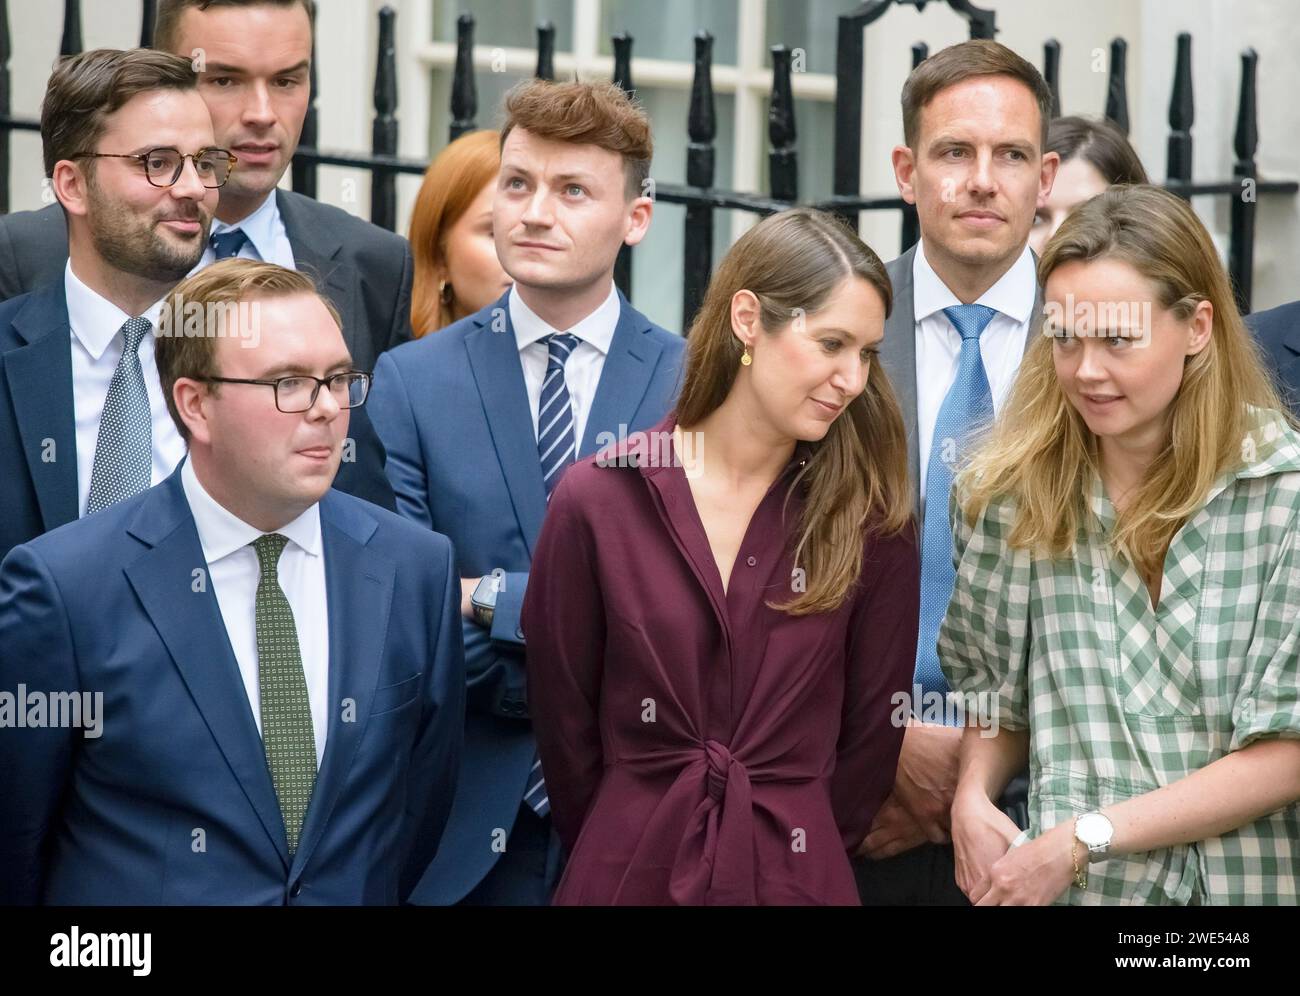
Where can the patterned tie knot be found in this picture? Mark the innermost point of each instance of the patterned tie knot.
(559, 345)
(970, 320)
(227, 244)
(269, 548)
(133, 332)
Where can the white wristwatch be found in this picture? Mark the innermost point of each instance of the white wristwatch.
(1094, 831)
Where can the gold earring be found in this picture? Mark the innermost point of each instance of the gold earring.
(745, 358)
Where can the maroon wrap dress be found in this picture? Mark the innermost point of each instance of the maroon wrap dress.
(702, 747)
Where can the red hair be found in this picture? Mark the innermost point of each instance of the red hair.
(450, 185)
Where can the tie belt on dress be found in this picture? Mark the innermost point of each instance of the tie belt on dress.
(714, 865)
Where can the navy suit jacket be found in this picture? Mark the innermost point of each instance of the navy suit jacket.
(38, 436)
(363, 269)
(452, 410)
(173, 802)
(1278, 333)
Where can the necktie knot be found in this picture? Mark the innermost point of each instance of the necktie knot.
(970, 320)
(559, 345)
(228, 244)
(269, 548)
(133, 332)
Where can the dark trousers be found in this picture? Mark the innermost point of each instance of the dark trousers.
(526, 874)
(926, 875)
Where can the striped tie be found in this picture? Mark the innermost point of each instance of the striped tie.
(556, 448)
(535, 795)
(555, 444)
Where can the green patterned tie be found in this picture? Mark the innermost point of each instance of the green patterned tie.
(286, 711)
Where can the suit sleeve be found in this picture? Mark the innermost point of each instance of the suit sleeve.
(564, 617)
(35, 763)
(435, 759)
(394, 419)
(506, 627)
(880, 659)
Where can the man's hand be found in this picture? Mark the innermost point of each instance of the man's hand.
(467, 586)
(892, 832)
(927, 777)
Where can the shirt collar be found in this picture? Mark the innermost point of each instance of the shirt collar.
(94, 319)
(258, 226)
(1013, 295)
(221, 532)
(597, 329)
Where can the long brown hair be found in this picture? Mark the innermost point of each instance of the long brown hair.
(856, 478)
(450, 185)
(1041, 453)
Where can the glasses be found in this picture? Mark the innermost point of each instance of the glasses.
(163, 167)
(298, 392)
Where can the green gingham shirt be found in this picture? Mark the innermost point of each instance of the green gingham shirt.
(1120, 699)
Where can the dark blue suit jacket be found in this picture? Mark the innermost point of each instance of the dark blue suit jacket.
(1278, 333)
(452, 410)
(111, 603)
(38, 436)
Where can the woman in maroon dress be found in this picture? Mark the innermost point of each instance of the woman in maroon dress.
(721, 611)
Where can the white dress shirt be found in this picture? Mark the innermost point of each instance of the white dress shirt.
(267, 239)
(938, 343)
(233, 573)
(582, 369)
(96, 348)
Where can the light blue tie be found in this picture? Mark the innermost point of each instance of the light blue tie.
(967, 408)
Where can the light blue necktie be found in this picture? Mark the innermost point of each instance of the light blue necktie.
(967, 408)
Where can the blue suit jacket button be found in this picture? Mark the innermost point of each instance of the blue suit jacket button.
(296, 891)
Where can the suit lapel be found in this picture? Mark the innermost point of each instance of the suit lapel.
(190, 624)
(315, 249)
(499, 376)
(624, 378)
(40, 383)
(359, 594)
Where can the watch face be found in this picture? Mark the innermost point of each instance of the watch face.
(1093, 829)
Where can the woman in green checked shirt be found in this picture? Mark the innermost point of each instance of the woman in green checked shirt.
(1128, 588)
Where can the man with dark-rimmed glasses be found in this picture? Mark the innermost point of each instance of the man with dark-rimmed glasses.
(133, 163)
(281, 663)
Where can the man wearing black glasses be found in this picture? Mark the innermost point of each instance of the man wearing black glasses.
(131, 157)
(253, 60)
(281, 664)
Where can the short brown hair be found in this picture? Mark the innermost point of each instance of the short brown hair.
(958, 63)
(85, 89)
(599, 114)
(177, 353)
(167, 22)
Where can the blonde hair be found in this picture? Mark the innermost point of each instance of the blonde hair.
(856, 480)
(451, 183)
(1041, 453)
